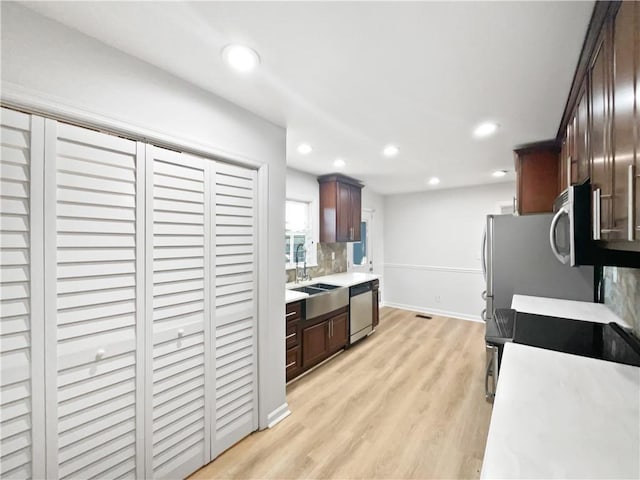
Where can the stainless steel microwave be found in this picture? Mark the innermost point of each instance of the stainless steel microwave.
(570, 234)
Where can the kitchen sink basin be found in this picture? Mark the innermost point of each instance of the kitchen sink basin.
(324, 286)
(309, 289)
(323, 298)
(315, 288)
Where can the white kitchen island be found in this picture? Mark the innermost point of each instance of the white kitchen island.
(557, 415)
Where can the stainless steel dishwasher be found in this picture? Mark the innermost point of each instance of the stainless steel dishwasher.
(360, 311)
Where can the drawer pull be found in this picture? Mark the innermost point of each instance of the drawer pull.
(290, 365)
(290, 336)
(100, 353)
(289, 314)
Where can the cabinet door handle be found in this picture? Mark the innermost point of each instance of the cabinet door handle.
(596, 214)
(290, 314)
(290, 336)
(631, 230)
(289, 365)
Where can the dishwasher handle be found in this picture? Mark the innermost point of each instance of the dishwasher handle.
(360, 289)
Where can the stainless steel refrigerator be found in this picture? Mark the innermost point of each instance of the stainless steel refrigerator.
(517, 259)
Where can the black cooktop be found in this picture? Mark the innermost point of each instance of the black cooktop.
(589, 339)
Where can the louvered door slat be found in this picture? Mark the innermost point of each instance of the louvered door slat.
(178, 257)
(235, 306)
(95, 236)
(21, 293)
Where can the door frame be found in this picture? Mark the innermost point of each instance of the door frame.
(368, 215)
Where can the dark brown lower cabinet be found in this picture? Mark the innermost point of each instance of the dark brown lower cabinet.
(338, 332)
(376, 308)
(315, 344)
(375, 286)
(293, 363)
(320, 338)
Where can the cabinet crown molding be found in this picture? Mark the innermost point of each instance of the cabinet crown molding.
(338, 177)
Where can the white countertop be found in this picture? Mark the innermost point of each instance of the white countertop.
(292, 296)
(557, 415)
(347, 279)
(553, 307)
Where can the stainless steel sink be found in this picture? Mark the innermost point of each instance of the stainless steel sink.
(323, 298)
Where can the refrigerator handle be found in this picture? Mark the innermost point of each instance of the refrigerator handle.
(483, 255)
(631, 229)
(488, 251)
(552, 235)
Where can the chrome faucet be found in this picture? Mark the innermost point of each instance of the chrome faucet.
(301, 276)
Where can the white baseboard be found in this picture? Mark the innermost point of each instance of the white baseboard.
(434, 311)
(278, 415)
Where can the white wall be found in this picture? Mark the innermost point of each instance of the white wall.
(432, 248)
(50, 68)
(304, 187)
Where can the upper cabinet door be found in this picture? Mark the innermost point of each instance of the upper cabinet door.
(601, 166)
(94, 299)
(356, 213)
(178, 313)
(344, 225)
(625, 140)
(21, 292)
(583, 162)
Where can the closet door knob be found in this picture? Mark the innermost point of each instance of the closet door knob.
(100, 353)
(181, 332)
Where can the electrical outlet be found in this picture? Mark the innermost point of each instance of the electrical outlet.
(437, 298)
(333, 255)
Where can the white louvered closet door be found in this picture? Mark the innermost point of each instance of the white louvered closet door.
(178, 313)
(21, 292)
(94, 300)
(235, 306)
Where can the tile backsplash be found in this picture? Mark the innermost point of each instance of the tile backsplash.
(623, 295)
(326, 264)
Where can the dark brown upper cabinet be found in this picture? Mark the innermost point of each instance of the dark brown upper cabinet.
(625, 119)
(537, 174)
(601, 123)
(340, 208)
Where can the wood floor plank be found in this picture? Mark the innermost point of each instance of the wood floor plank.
(406, 403)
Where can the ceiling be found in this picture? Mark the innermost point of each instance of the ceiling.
(350, 77)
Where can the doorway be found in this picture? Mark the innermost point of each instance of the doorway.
(360, 254)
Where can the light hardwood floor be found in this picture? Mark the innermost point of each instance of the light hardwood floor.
(408, 402)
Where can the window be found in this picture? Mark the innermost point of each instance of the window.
(298, 232)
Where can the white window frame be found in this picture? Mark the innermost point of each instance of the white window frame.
(312, 233)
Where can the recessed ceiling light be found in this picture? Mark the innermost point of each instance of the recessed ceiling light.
(434, 181)
(499, 173)
(485, 129)
(240, 58)
(304, 149)
(390, 151)
(339, 163)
